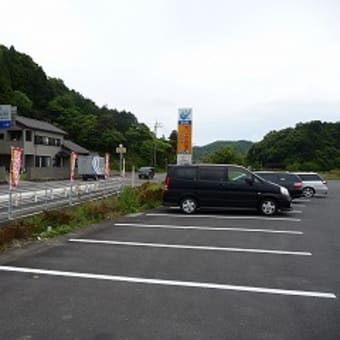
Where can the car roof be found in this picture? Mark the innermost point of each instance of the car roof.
(206, 164)
(305, 173)
(272, 172)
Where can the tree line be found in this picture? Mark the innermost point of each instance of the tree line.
(24, 84)
(313, 145)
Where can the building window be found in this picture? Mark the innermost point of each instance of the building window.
(38, 139)
(2, 136)
(14, 135)
(42, 161)
(28, 136)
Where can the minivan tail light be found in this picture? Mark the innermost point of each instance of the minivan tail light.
(167, 183)
(298, 185)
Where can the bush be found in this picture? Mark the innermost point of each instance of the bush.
(150, 195)
(128, 200)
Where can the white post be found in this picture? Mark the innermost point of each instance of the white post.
(133, 176)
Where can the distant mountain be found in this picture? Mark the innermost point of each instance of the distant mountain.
(241, 146)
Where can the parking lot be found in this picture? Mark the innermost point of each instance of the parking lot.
(165, 275)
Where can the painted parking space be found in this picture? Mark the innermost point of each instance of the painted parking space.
(136, 275)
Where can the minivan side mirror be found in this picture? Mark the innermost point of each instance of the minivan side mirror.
(249, 180)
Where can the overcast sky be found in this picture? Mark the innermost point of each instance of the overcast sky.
(246, 67)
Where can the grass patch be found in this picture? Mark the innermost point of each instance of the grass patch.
(53, 223)
(332, 174)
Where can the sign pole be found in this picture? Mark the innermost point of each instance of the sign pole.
(121, 150)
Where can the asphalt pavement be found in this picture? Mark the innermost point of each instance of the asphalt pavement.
(164, 275)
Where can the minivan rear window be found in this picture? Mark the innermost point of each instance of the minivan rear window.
(185, 173)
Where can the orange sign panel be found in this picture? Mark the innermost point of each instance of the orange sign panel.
(184, 143)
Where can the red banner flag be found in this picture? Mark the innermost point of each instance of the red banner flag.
(73, 159)
(107, 165)
(16, 162)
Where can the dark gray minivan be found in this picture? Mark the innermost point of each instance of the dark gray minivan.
(217, 185)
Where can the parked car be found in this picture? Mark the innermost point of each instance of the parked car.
(288, 180)
(312, 184)
(147, 172)
(194, 186)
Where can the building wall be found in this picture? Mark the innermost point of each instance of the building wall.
(30, 147)
(48, 173)
(3, 174)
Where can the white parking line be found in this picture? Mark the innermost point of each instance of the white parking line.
(301, 200)
(189, 284)
(223, 217)
(182, 246)
(186, 227)
(299, 205)
(295, 212)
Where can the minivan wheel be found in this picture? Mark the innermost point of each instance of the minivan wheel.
(188, 205)
(308, 192)
(268, 207)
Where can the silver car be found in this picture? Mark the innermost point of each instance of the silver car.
(312, 184)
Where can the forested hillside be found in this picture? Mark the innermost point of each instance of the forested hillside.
(201, 152)
(313, 146)
(24, 84)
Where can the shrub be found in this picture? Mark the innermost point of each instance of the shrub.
(128, 200)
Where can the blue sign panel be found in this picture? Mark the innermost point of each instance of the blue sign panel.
(185, 116)
(5, 124)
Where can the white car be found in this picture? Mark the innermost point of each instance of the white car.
(312, 184)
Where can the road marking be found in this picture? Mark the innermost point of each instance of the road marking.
(135, 214)
(189, 284)
(183, 246)
(302, 200)
(228, 217)
(161, 226)
(295, 212)
(299, 205)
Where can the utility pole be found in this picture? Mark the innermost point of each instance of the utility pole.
(156, 126)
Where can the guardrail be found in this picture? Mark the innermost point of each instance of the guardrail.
(27, 201)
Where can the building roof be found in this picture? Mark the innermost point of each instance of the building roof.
(38, 125)
(75, 147)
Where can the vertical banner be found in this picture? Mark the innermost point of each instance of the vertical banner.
(73, 159)
(184, 137)
(107, 165)
(16, 162)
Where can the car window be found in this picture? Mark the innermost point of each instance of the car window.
(212, 174)
(186, 173)
(310, 177)
(289, 178)
(238, 175)
(268, 177)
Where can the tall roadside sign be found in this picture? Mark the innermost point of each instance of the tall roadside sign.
(184, 138)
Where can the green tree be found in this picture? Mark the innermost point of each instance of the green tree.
(224, 155)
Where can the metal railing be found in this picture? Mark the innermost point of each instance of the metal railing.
(28, 201)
